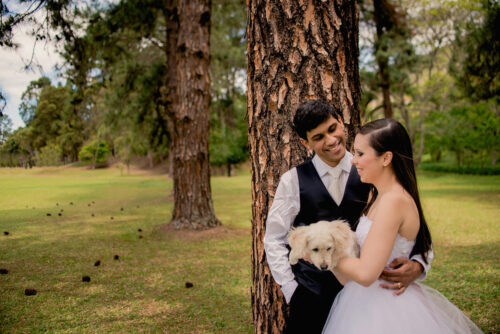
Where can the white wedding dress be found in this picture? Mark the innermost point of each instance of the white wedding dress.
(420, 309)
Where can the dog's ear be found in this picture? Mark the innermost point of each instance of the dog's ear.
(340, 232)
(297, 239)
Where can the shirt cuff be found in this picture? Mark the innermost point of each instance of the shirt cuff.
(424, 272)
(288, 289)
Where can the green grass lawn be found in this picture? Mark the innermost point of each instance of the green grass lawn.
(145, 290)
(463, 212)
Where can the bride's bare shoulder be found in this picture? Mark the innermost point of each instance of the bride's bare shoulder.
(398, 201)
(394, 198)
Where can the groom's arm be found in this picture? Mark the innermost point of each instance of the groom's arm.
(426, 266)
(285, 207)
(406, 271)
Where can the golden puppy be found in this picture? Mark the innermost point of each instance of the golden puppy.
(323, 243)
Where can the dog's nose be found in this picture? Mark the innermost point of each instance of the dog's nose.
(324, 267)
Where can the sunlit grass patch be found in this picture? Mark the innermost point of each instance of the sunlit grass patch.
(145, 289)
(463, 214)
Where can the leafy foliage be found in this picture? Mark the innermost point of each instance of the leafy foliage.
(477, 68)
(5, 128)
(30, 97)
(50, 155)
(228, 128)
(228, 141)
(96, 152)
(470, 131)
(452, 168)
(17, 150)
(427, 80)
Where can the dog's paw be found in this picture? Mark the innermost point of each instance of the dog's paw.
(293, 259)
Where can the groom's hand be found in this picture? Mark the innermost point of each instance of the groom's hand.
(402, 271)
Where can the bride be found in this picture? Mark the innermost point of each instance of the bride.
(392, 225)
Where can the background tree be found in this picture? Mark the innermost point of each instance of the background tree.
(5, 128)
(3, 103)
(47, 111)
(428, 83)
(49, 155)
(96, 152)
(390, 27)
(48, 118)
(187, 103)
(296, 51)
(477, 68)
(30, 97)
(228, 132)
(228, 128)
(18, 150)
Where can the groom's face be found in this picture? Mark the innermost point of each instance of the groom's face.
(327, 140)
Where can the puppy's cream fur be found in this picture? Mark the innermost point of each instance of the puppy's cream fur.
(324, 243)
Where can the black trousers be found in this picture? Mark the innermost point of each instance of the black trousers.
(308, 312)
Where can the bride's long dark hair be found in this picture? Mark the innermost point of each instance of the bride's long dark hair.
(388, 135)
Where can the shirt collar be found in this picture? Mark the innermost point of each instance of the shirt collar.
(322, 167)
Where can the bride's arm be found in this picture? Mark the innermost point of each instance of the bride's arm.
(378, 244)
(343, 279)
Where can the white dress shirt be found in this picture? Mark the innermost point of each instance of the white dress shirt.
(285, 207)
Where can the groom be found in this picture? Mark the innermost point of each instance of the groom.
(324, 188)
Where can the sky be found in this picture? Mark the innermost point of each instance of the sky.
(14, 78)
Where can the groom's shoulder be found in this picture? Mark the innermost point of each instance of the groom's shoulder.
(308, 164)
(293, 171)
(291, 175)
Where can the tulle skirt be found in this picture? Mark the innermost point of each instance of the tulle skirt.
(420, 309)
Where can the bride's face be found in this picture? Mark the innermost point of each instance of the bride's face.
(368, 163)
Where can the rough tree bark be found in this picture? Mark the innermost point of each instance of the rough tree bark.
(188, 108)
(297, 50)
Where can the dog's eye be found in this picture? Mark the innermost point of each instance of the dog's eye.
(329, 249)
(315, 249)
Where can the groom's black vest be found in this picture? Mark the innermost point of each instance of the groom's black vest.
(317, 204)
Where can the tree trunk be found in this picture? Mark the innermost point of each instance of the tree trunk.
(421, 145)
(405, 114)
(297, 50)
(385, 85)
(188, 107)
(459, 155)
(380, 51)
(94, 159)
(386, 18)
(150, 159)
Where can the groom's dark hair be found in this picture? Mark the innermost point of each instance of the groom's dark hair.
(312, 113)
